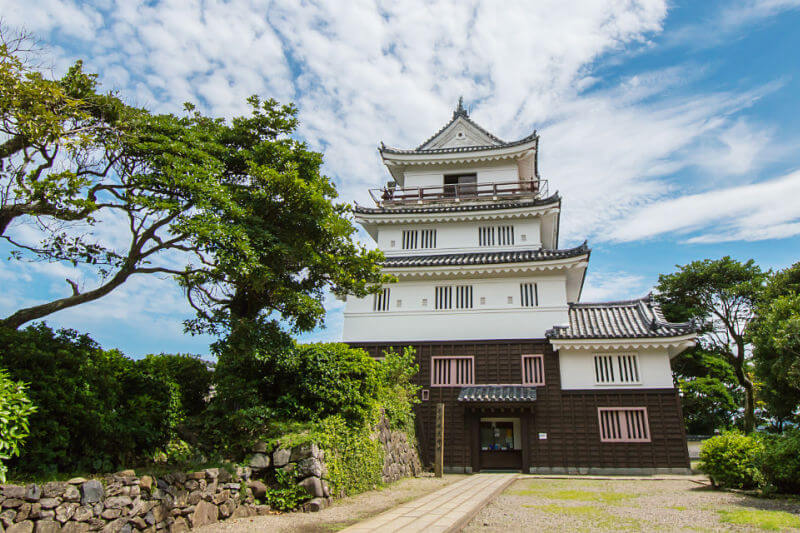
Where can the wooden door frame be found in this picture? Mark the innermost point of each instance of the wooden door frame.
(473, 423)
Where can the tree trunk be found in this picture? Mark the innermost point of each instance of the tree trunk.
(747, 385)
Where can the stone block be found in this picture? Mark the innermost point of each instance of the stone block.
(314, 505)
(212, 473)
(14, 491)
(281, 456)
(12, 503)
(7, 517)
(47, 526)
(83, 513)
(92, 492)
(243, 511)
(111, 514)
(179, 526)
(313, 486)
(259, 461)
(221, 497)
(117, 502)
(310, 466)
(72, 494)
(205, 513)
(54, 489)
(304, 451)
(26, 526)
(115, 526)
(49, 503)
(75, 527)
(66, 511)
(126, 473)
(33, 492)
(23, 512)
(259, 489)
(226, 508)
(262, 510)
(146, 483)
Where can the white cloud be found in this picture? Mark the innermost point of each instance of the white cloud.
(604, 286)
(764, 210)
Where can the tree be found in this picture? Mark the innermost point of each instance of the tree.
(237, 211)
(720, 295)
(775, 334)
(709, 390)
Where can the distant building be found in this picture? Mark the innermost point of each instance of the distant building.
(531, 379)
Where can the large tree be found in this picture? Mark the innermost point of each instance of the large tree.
(721, 296)
(237, 211)
(775, 334)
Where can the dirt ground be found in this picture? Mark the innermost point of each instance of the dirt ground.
(342, 513)
(539, 504)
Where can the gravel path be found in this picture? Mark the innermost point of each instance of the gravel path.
(539, 504)
(342, 513)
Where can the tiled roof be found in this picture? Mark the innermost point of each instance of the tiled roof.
(453, 207)
(456, 149)
(483, 258)
(497, 393)
(639, 318)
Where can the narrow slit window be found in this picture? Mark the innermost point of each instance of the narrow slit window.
(454, 297)
(380, 300)
(452, 371)
(533, 370)
(528, 295)
(623, 424)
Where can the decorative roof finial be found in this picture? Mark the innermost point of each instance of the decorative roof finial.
(460, 111)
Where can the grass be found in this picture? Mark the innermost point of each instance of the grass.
(768, 520)
(598, 518)
(678, 507)
(559, 491)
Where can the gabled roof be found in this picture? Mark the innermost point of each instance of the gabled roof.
(457, 207)
(483, 258)
(640, 318)
(482, 139)
(497, 393)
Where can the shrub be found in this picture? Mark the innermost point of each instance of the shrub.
(15, 408)
(288, 494)
(96, 409)
(730, 460)
(397, 393)
(779, 462)
(189, 372)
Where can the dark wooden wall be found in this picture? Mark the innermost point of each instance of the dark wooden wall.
(568, 417)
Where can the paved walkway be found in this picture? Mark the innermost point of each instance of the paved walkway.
(447, 509)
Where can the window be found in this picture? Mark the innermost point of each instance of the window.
(533, 370)
(458, 296)
(616, 369)
(623, 424)
(426, 394)
(414, 239)
(452, 371)
(495, 235)
(528, 295)
(460, 185)
(381, 300)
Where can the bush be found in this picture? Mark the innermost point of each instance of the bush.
(288, 494)
(15, 408)
(397, 393)
(730, 460)
(779, 462)
(189, 372)
(96, 409)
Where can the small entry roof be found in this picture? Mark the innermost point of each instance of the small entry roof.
(497, 393)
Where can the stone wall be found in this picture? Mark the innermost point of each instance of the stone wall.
(125, 502)
(400, 457)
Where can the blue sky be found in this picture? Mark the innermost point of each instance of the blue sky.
(670, 128)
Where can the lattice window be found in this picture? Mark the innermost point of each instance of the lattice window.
(380, 300)
(414, 239)
(528, 294)
(616, 369)
(623, 424)
(454, 296)
(533, 370)
(495, 235)
(452, 371)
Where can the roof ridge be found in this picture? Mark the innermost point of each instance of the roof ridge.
(419, 150)
(474, 206)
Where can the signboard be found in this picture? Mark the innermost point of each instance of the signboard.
(542, 436)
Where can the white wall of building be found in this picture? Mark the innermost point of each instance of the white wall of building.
(461, 237)
(496, 314)
(486, 173)
(577, 369)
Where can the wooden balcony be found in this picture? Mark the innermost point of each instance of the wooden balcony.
(462, 192)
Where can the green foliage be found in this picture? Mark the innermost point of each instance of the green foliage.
(779, 462)
(353, 458)
(720, 296)
(760, 518)
(709, 390)
(288, 494)
(96, 409)
(731, 460)
(189, 372)
(15, 408)
(397, 393)
(776, 344)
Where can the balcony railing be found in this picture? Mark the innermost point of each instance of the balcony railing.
(460, 192)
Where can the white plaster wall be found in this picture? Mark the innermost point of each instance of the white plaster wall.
(461, 237)
(496, 318)
(487, 173)
(577, 369)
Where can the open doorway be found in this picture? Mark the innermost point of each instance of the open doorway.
(500, 443)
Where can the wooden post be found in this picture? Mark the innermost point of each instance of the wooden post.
(438, 466)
